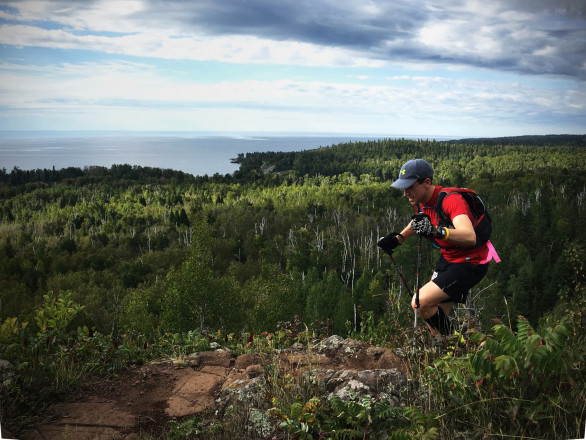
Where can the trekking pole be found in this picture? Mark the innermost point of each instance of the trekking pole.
(417, 283)
(401, 275)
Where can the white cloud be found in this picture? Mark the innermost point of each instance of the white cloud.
(239, 49)
(138, 85)
(352, 33)
(103, 15)
(379, 45)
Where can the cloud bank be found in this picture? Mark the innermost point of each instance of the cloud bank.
(366, 62)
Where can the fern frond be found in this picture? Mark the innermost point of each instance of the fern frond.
(389, 413)
(524, 329)
(347, 433)
(508, 365)
(532, 346)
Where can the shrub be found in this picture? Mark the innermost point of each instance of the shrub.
(518, 383)
(360, 418)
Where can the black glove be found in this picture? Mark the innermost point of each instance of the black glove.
(389, 243)
(421, 224)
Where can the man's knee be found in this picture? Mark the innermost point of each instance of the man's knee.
(426, 311)
(430, 296)
(426, 308)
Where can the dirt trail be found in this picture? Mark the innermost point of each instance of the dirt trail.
(144, 398)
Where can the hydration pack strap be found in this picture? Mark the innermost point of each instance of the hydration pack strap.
(491, 254)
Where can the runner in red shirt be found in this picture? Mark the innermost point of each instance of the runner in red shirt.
(461, 264)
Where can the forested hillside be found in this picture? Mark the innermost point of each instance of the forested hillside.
(98, 264)
(147, 250)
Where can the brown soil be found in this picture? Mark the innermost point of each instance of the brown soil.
(137, 401)
(143, 399)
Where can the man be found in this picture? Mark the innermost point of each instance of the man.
(461, 264)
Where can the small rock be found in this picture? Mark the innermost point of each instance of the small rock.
(254, 371)
(350, 390)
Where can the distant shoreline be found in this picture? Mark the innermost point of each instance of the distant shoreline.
(195, 153)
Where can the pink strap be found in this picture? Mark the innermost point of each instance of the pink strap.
(491, 254)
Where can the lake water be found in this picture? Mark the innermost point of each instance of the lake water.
(193, 153)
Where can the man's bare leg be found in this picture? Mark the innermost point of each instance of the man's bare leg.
(431, 299)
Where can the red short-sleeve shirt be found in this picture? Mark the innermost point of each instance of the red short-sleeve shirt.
(453, 206)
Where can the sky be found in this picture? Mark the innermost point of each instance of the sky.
(461, 68)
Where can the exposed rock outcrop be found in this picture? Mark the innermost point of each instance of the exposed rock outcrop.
(146, 397)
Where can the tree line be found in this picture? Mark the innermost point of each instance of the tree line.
(288, 236)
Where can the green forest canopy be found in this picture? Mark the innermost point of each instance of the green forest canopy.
(291, 234)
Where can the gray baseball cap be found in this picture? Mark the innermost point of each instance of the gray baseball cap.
(411, 171)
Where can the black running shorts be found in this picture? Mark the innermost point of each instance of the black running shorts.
(456, 279)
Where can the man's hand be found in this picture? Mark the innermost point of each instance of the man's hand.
(389, 243)
(421, 224)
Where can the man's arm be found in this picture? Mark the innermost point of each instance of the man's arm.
(406, 233)
(390, 242)
(463, 233)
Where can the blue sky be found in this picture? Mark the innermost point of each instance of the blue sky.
(462, 68)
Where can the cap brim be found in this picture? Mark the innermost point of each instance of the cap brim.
(403, 183)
